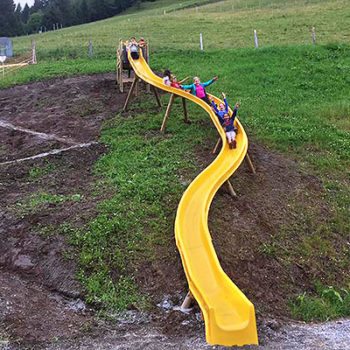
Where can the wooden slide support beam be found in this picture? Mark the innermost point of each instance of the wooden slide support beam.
(247, 157)
(250, 163)
(186, 120)
(155, 91)
(217, 145)
(230, 189)
(137, 88)
(121, 83)
(167, 112)
(133, 85)
(187, 302)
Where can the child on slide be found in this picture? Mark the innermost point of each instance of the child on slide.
(175, 83)
(198, 88)
(133, 47)
(167, 77)
(229, 126)
(221, 110)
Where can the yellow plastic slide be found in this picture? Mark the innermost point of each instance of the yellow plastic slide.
(229, 316)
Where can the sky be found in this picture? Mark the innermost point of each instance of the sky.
(23, 2)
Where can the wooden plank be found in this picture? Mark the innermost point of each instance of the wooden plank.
(130, 94)
(167, 113)
(185, 110)
(216, 145)
(250, 163)
(230, 189)
(155, 91)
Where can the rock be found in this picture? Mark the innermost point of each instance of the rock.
(166, 304)
(23, 262)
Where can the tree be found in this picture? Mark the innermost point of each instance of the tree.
(18, 9)
(8, 23)
(69, 12)
(65, 9)
(38, 5)
(25, 14)
(35, 22)
(98, 9)
(52, 15)
(83, 14)
(19, 24)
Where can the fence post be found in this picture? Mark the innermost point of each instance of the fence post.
(90, 49)
(201, 41)
(313, 35)
(256, 42)
(33, 52)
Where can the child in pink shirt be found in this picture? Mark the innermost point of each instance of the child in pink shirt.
(198, 88)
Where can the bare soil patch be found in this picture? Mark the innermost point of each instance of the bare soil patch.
(37, 270)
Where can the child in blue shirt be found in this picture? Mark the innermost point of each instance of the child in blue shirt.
(229, 126)
(222, 110)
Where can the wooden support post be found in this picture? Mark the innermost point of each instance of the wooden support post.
(187, 302)
(186, 120)
(121, 83)
(119, 67)
(250, 163)
(216, 145)
(133, 85)
(167, 113)
(137, 87)
(155, 91)
(230, 189)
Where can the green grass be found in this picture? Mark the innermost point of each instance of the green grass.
(158, 7)
(328, 303)
(64, 52)
(40, 200)
(54, 68)
(36, 173)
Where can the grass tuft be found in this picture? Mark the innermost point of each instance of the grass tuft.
(327, 304)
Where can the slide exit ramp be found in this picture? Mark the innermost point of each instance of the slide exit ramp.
(228, 314)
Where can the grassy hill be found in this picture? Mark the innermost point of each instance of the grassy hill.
(224, 24)
(295, 100)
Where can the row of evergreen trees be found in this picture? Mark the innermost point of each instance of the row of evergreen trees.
(49, 14)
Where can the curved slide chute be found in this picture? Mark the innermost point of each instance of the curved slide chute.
(228, 314)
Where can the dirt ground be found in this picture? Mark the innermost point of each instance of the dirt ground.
(38, 286)
(40, 297)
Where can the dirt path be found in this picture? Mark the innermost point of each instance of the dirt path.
(273, 336)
